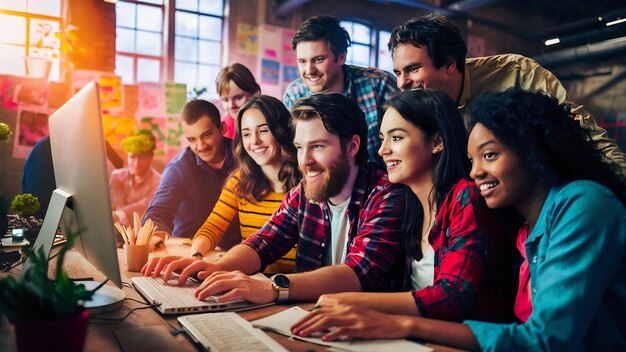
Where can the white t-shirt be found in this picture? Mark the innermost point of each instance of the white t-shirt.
(339, 228)
(423, 271)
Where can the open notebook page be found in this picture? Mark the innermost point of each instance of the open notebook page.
(282, 322)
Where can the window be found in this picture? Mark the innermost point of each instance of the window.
(384, 56)
(369, 46)
(28, 29)
(139, 41)
(194, 56)
(360, 52)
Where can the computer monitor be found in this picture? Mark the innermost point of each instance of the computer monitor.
(81, 202)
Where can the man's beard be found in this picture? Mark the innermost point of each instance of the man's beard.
(335, 178)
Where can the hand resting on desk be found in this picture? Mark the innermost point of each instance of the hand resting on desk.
(344, 321)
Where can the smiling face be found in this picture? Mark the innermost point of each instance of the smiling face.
(499, 173)
(205, 139)
(234, 99)
(319, 68)
(257, 138)
(406, 150)
(415, 69)
(325, 166)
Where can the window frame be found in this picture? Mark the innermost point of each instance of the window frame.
(374, 43)
(28, 46)
(168, 56)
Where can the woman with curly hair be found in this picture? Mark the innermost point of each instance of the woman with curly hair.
(528, 153)
(268, 168)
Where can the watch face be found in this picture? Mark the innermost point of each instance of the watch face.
(282, 281)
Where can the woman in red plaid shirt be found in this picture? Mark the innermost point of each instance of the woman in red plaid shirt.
(459, 260)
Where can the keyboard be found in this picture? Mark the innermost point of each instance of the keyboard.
(227, 332)
(174, 299)
(178, 300)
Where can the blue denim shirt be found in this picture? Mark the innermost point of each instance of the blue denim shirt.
(577, 275)
(188, 192)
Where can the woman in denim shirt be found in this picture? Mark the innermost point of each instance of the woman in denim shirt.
(529, 154)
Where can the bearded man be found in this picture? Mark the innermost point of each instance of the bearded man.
(344, 217)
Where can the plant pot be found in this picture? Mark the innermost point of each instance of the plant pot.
(53, 335)
(38, 67)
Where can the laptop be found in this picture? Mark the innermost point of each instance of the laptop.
(181, 300)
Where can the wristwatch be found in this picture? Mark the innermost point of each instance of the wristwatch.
(281, 284)
(197, 254)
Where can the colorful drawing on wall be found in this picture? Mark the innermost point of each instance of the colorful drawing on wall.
(151, 99)
(32, 91)
(175, 140)
(131, 100)
(80, 78)
(290, 73)
(158, 126)
(269, 71)
(175, 97)
(8, 84)
(169, 134)
(289, 54)
(247, 39)
(117, 128)
(110, 92)
(31, 126)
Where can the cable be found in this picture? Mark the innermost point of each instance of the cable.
(20, 261)
(104, 320)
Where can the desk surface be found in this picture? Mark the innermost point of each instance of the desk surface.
(142, 325)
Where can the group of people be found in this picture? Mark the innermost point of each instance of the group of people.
(498, 224)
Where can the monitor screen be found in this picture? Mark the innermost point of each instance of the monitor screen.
(81, 203)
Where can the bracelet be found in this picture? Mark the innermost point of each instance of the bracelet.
(197, 254)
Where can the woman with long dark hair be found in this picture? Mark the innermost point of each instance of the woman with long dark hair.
(530, 154)
(457, 256)
(268, 168)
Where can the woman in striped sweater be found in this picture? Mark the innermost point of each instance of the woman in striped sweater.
(268, 168)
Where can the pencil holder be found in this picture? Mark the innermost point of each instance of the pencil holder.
(136, 256)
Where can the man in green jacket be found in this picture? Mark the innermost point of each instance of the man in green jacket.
(429, 52)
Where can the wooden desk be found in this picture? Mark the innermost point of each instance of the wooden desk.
(102, 335)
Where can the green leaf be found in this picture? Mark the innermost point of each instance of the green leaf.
(35, 297)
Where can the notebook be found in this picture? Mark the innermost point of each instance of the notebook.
(178, 300)
(281, 323)
(227, 332)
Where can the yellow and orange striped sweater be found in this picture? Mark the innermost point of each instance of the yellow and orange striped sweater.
(252, 216)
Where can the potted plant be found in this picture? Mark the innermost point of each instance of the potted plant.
(48, 47)
(5, 135)
(5, 132)
(47, 314)
(24, 206)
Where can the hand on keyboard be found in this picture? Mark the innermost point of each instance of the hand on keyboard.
(234, 285)
(155, 265)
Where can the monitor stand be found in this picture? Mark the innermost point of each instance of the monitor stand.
(108, 297)
(105, 299)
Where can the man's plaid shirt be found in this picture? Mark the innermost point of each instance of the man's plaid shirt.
(374, 213)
